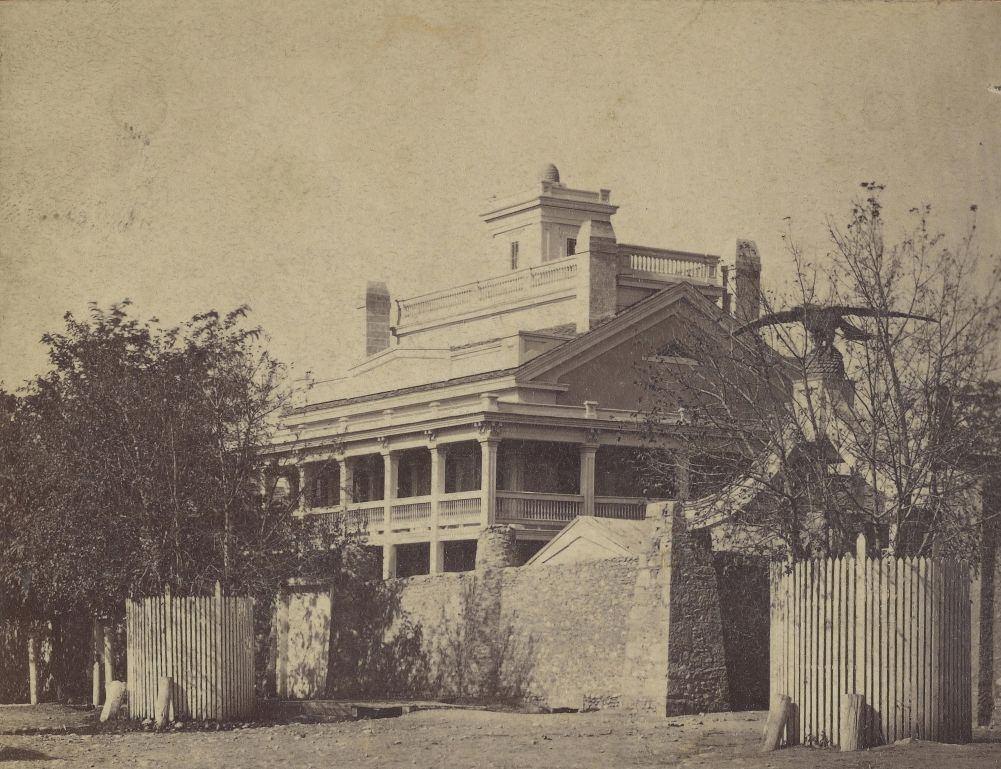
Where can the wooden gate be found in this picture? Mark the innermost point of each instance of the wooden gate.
(895, 630)
(205, 644)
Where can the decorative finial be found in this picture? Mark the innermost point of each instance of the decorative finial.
(550, 173)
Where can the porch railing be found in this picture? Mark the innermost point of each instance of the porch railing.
(512, 506)
(411, 509)
(459, 505)
(535, 506)
(627, 508)
(372, 511)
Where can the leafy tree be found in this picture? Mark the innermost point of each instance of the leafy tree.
(139, 466)
(805, 448)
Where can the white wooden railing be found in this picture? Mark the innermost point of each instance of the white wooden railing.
(374, 511)
(673, 263)
(535, 506)
(526, 283)
(628, 508)
(411, 509)
(463, 504)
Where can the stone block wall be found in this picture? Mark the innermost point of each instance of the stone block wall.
(575, 615)
(566, 623)
(675, 659)
(696, 666)
(644, 633)
(303, 636)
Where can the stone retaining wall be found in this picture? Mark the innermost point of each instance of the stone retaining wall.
(564, 626)
(644, 633)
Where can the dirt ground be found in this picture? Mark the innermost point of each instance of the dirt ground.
(460, 738)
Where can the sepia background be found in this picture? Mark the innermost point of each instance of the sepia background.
(203, 155)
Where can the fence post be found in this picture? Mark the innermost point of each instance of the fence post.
(862, 654)
(852, 731)
(164, 705)
(777, 716)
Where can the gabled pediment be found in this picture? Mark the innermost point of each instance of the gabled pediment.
(588, 538)
(679, 305)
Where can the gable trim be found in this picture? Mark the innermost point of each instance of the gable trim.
(631, 319)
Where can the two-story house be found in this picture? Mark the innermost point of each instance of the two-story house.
(511, 400)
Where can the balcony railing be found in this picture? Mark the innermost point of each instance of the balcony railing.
(411, 509)
(464, 507)
(461, 505)
(676, 264)
(626, 508)
(521, 284)
(331, 518)
(562, 508)
(534, 506)
(373, 511)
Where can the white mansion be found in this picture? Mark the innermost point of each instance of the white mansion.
(512, 400)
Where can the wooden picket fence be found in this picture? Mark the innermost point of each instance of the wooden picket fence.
(205, 644)
(895, 630)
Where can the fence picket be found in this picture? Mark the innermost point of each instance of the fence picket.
(838, 650)
(896, 630)
(204, 644)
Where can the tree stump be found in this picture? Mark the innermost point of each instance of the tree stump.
(852, 731)
(777, 716)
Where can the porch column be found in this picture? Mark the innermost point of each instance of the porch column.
(391, 466)
(489, 441)
(588, 452)
(437, 550)
(344, 493)
(301, 469)
(388, 561)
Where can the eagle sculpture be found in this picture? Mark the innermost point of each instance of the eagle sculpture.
(822, 321)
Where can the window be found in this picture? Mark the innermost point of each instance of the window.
(514, 255)
(571, 246)
(673, 352)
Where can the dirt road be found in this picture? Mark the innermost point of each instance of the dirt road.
(467, 738)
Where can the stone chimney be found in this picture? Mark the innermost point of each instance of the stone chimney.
(747, 281)
(377, 311)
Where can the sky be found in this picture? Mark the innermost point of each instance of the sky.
(200, 155)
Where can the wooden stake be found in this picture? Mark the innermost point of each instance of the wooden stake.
(852, 731)
(113, 700)
(776, 722)
(163, 701)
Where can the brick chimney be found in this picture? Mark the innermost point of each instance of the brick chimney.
(377, 310)
(747, 281)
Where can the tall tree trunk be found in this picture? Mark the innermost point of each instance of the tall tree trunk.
(96, 642)
(109, 654)
(33, 666)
